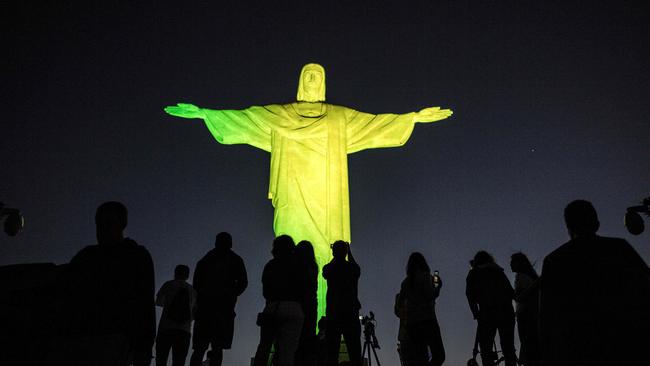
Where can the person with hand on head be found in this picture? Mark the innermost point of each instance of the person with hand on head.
(343, 304)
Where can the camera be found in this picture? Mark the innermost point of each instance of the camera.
(367, 319)
(633, 220)
(369, 323)
(14, 222)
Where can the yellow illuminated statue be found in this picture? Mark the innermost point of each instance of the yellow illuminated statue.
(309, 141)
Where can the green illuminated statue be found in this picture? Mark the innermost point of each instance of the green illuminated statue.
(309, 141)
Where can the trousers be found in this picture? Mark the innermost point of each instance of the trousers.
(283, 331)
(177, 341)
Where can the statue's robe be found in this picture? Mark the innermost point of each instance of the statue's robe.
(309, 171)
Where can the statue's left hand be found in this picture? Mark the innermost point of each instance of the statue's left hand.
(185, 110)
(432, 114)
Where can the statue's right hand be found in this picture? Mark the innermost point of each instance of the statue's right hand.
(185, 110)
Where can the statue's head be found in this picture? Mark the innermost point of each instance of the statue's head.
(311, 86)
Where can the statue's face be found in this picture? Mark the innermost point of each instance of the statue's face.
(311, 86)
(311, 82)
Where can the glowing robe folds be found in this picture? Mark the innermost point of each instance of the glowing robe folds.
(309, 171)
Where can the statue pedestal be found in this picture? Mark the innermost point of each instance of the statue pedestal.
(344, 358)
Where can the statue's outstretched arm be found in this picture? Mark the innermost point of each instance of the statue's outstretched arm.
(432, 114)
(247, 126)
(185, 110)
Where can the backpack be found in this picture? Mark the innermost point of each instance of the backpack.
(179, 308)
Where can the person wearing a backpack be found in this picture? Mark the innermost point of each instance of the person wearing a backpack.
(178, 300)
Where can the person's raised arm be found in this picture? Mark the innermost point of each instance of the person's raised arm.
(350, 257)
(357, 269)
(437, 285)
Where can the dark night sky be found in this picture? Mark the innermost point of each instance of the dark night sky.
(550, 104)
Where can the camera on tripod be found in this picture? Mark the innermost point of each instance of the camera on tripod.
(369, 323)
(14, 222)
(368, 319)
(633, 219)
(370, 339)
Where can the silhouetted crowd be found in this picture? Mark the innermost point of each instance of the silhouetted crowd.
(589, 306)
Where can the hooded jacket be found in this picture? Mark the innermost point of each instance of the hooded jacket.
(489, 291)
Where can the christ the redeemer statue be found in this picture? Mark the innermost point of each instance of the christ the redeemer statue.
(309, 141)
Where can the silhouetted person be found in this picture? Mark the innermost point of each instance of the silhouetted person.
(527, 308)
(418, 293)
(110, 297)
(29, 305)
(282, 315)
(306, 260)
(490, 295)
(178, 300)
(321, 342)
(594, 298)
(399, 308)
(342, 304)
(219, 278)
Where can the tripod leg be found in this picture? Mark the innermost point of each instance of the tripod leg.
(376, 358)
(367, 346)
(363, 353)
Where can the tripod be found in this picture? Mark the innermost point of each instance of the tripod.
(472, 361)
(370, 341)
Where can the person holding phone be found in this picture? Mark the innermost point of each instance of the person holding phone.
(417, 299)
